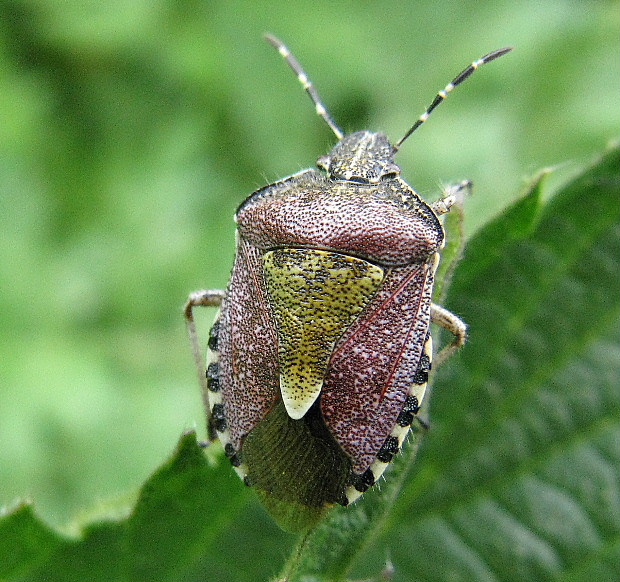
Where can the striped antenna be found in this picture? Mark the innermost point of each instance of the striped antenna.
(305, 82)
(449, 87)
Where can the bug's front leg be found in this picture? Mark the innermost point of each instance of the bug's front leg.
(452, 194)
(455, 325)
(204, 298)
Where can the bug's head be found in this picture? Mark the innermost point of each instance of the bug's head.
(363, 156)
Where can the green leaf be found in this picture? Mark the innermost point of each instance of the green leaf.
(181, 515)
(516, 223)
(25, 541)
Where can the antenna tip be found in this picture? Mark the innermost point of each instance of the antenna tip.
(272, 40)
(496, 54)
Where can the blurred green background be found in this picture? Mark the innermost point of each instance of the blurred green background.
(131, 130)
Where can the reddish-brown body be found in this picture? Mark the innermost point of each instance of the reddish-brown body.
(374, 363)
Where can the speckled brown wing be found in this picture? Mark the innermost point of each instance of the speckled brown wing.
(373, 368)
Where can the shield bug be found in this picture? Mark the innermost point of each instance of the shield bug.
(320, 353)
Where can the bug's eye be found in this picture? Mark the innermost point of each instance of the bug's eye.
(390, 170)
(374, 173)
(323, 163)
